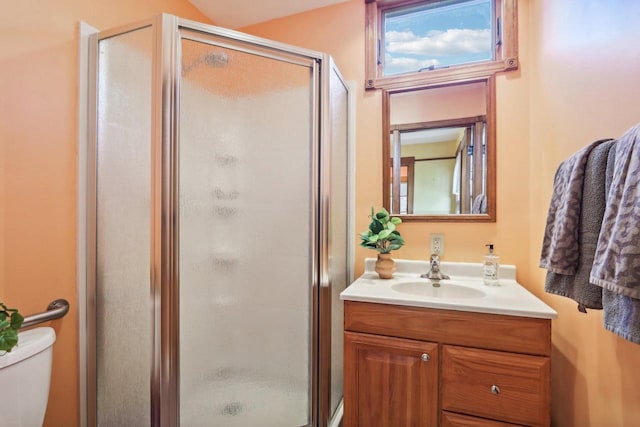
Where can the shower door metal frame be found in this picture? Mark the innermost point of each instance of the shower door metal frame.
(164, 277)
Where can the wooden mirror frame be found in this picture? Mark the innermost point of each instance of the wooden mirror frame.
(490, 216)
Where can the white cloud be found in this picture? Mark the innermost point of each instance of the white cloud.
(439, 43)
(408, 64)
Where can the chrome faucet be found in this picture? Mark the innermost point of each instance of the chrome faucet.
(434, 274)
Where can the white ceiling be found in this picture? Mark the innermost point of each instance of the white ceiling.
(427, 136)
(239, 13)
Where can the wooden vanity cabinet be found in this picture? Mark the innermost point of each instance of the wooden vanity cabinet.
(480, 370)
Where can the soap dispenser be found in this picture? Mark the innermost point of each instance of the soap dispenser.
(490, 266)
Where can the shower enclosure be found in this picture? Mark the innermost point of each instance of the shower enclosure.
(218, 230)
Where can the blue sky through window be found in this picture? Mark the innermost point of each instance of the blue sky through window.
(438, 35)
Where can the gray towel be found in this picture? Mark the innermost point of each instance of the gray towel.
(621, 313)
(576, 286)
(616, 266)
(561, 246)
(479, 204)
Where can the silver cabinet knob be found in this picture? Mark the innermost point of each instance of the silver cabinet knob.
(495, 389)
(425, 357)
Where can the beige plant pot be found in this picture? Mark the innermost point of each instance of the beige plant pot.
(385, 266)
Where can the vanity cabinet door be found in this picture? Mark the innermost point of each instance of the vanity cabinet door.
(498, 385)
(390, 382)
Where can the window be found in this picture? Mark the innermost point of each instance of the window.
(437, 35)
(430, 41)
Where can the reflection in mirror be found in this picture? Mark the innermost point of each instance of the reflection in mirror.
(439, 152)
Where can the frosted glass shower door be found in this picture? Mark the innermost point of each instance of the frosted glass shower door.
(123, 187)
(246, 155)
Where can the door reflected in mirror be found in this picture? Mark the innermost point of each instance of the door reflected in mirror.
(439, 152)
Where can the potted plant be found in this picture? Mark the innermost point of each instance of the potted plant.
(383, 237)
(10, 322)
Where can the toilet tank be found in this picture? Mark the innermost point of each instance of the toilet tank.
(25, 375)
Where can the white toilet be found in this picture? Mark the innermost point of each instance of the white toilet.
(25, 375)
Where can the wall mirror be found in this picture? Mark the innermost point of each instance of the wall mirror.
(439, 152)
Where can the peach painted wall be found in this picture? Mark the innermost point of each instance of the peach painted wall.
(38, 161)
(443, 103)
(577, 82)
(585, 87)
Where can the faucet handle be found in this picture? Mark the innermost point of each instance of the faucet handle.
(435, 258)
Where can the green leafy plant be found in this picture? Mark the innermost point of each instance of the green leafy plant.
(10, 322)
(382, 235)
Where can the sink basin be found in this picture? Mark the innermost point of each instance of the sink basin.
(464, 291)
(446, 290)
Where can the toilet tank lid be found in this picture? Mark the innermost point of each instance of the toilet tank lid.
(30, 343)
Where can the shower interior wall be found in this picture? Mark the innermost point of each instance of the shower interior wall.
(261, 317)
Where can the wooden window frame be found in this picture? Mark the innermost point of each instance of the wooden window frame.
(506, 54)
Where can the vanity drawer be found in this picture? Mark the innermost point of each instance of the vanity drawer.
(491, 384)
(479, 330)
(449, 419)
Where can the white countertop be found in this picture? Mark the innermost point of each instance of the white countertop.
(509, 297)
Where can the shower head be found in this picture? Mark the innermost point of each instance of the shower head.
(215, 59)
(211, 59)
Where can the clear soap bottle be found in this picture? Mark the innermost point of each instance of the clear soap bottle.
(490, 266)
